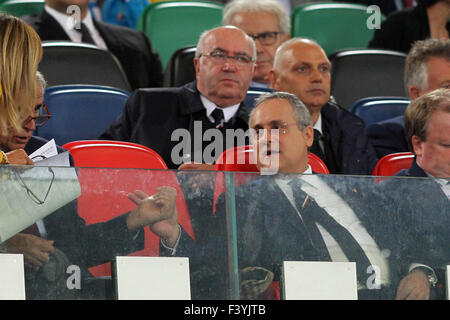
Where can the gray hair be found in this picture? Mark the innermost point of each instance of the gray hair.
(419, 112)
(235, 6)
(416, 72)
(199, 49)
(41, 80)
(301, 113)
(288, 43)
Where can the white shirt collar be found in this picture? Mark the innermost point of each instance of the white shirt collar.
(318, 124)
(228, 112)
(67, 22)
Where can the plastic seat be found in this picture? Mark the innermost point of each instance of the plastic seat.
(178, 24)
(252, 94)
(241, 159)
(21, 8)
(358, 74)
(390, 164)
(80, 112)
(335, 26)
(375, 109)
(103, 191)
(180, 68)
(113, 154)
(77, 63)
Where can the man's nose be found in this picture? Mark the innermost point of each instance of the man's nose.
(316, 76)
(229, 65)
(30, 125)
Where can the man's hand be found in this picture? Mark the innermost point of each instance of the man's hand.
(36, 251)
(19, 156)
(158, 211)
(414, 286)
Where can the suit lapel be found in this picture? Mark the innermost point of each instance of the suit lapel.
(49, 29)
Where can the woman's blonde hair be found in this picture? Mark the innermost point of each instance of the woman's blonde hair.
(20, 54)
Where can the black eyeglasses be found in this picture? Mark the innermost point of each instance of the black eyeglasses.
(220, 57)
(266, 38)
(30, 193)
(40, 115)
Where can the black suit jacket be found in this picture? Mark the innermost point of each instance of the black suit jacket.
(132, 48)
(352, 152)
(269, 231)
(151, 116)
(388, 136)
(84, 245)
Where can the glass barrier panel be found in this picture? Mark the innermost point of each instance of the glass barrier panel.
(396, 229)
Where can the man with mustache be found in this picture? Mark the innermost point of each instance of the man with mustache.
(224, 64)
(268, 23)
(301, 67)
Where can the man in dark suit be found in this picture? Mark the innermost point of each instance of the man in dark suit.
(160, 118)
(427, 68)
(132, 48)
(63, 237)
(301, 67)
(287, 217)
(425, 211)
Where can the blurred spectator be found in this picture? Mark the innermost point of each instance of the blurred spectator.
(132, 48)
(427, 68)
(268, 23)
(429, 19)
(21, 52)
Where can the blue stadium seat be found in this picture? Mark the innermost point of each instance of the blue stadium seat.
(80, 112)
(252, 94)
(375, 109)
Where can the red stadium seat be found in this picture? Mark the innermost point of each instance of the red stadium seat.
(104, 191)
(390, 164)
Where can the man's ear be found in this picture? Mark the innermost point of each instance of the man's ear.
(197, 66)
(308, 133)
(414, 92)
(272, 78)
(417, 145)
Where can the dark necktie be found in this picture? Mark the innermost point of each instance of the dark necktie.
(219, 119)
(85, 34)
(316, 148)
(343, 237)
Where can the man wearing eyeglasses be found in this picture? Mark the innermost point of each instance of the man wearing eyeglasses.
(161, 118)
(268, 23)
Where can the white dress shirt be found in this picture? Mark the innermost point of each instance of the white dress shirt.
(69, 25)
(337, 208)
(228, 112)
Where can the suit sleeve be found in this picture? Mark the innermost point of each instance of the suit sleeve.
(386, 138)
(121, 129)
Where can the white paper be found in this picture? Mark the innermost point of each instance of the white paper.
(17, 208)
(59, 160)
(12, 277)
(305, 280)
(152, 278)
(47, 150)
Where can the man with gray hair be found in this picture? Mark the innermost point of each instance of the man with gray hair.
(427, 68)
(268, 23)
(160, 118)
(283, 217)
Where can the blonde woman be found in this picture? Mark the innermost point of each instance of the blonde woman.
(20, 54)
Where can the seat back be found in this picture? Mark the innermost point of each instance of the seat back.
(375, 109)
(358, 74)
(252, 94)
(180, 68)
(103, 191)
(335, 26)
(390, 164)
(78, 63)
(177, 24)
(21, 8)
(80, 112)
